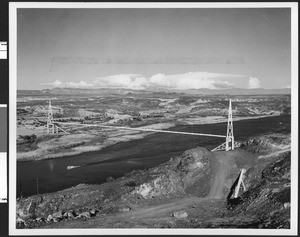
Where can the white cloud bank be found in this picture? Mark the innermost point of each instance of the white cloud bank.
(133, 81)
(253, 83)
(71, 84)
(190, 80)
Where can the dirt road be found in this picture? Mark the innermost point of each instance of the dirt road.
(223, 167)
(212, 206)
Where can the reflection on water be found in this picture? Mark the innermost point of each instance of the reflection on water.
(124, 157)
(133, 162)
(51, 165)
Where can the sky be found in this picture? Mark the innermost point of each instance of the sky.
(148, 48)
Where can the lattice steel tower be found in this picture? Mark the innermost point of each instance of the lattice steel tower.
(229, 136)
(50, 122)
(229, 144)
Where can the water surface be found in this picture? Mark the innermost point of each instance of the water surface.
(52, 175)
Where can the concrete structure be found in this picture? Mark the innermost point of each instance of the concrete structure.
(240, 182)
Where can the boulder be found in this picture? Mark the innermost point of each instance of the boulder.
(39, 200)
(180, 214)
(162, 185)
(49, 218)
(84, 215)
(40, 219)
(20, 220)
(93, 212)
(125, 209)
(57, 215)
(69, 214)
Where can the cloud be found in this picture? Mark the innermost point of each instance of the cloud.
(189, 80)
(253, 83)
(71, 84)
(132, 81)
(193, 80)
(57, 83)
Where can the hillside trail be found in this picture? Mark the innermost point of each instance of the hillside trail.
(222, 165)
(203, 208)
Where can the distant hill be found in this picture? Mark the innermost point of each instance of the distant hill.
(240, 91)
(112, 91)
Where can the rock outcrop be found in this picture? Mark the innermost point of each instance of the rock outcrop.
(267, 143)
(268, 201)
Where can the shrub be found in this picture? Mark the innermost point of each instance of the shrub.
(131, 184)
(111, 193)
(109, 179)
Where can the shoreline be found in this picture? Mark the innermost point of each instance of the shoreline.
(115, 138)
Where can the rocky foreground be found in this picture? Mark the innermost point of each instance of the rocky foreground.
(188, 191)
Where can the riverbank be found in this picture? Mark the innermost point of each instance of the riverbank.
(217, 119)
(56, 146)
(96, 139)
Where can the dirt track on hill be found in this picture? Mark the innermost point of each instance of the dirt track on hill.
(223, 165)
(213, 205)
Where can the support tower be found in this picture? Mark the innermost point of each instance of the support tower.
(229, 144)
(51, 128)
(229, 136)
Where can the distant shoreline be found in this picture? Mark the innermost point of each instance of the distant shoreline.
(204, 91)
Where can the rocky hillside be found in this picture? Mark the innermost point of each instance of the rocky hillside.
(268, 201)
(142, 187)
(265, 204)
(188, 191)
(268, 143)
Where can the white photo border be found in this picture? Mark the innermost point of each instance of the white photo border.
(13, 6)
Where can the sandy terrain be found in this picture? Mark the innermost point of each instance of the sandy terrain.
(216, 119)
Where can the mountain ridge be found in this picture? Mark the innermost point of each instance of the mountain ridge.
(204, 91)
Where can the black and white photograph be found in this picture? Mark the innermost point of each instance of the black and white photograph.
(153, 118)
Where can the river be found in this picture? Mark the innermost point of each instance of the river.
(95, 167)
